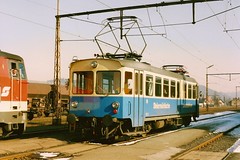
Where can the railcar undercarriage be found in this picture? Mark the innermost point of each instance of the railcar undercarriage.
(8, 129)
(110, 128)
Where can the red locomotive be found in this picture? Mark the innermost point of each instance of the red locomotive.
(13, 94)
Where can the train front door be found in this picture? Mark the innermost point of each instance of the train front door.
(16, 85)
(138, 105)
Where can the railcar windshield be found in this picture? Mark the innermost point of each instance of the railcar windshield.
(23, 71)
(82, 82)
(108, 82)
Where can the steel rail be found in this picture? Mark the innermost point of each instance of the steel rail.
(198, 147)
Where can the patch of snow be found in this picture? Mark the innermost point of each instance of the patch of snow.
(235, 148)
(207, 116)
(48, 154)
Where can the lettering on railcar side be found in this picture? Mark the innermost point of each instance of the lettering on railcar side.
(161, 106)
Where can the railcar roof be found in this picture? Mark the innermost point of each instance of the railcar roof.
(10, 56)
(147, 67)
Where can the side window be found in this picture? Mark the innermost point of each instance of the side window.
(185, 90)
(195, 91)
(128, 84)
(22, 71)
(166, 88)
(158, 87)
(13, 69)
(149, 85)
(189, 91)
(178, 89)
(173, 89)
(13, 65)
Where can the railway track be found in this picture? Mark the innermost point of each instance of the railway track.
(36, 153)
(187, 153)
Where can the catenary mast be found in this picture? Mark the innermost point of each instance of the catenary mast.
(57, 73)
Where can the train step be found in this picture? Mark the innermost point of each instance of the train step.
(135, 134)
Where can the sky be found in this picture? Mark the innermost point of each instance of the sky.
(28, 29)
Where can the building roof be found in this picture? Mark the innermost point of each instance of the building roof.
(43, 89)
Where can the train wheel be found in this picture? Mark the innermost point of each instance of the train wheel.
(30, 116)
(5, 132)
(46, 114)
(39, 114)
(186, 121)
(147, 128)
(20, 129)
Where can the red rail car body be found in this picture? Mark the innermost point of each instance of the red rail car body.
(13, 94)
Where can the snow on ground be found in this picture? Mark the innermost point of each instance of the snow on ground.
(207, 116)
(218, 122)
(223, 124)
(235, 148)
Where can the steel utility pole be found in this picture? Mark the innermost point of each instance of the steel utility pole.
(57, 73)
(237, 96)
(207, 85)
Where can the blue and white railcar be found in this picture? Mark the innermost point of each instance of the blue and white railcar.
(109, 97)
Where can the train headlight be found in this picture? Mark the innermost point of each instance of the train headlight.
(88, 111)
(94, 64)
(74, 104)
(115, 106)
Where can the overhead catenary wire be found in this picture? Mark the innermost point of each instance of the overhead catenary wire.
(222, 25)
(166, 38)
(158, 11)
(236, 20)
(184, 24)
(39, 24)
(151, 26)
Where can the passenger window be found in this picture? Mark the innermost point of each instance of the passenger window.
(189, 91)
(195, 92)
(158, 87)
(128, 84)
(185, 90)
(178, 89)
(149, 85)
(173, 89)
(166, 88)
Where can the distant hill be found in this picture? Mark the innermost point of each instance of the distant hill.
(228, 95)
